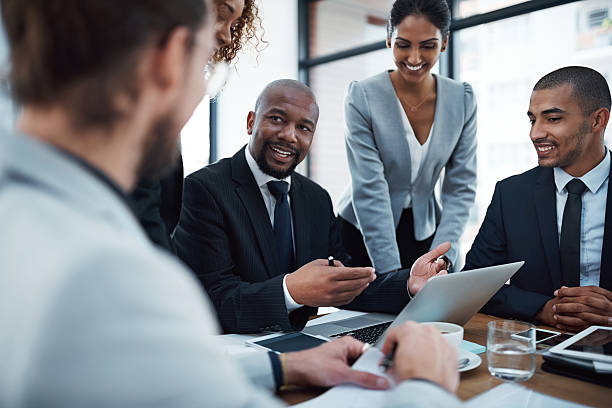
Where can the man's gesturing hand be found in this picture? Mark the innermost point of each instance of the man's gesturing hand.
(426, 266)
(318, 284)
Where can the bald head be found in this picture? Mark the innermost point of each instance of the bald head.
(286, 84)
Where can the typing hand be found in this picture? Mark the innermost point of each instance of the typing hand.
(422, 352)
(581, 307)
(329, 365)
(427, 266)
(318, 284)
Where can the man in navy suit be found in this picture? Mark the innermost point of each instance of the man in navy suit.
(556, 217)
(261, 254)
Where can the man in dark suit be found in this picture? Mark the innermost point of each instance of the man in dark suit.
(257, 235)
(556, 217)
(157, 205)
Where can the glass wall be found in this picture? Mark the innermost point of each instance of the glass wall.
(337, 25)
(502, 60)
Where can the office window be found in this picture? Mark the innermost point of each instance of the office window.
(503, 61)
(467, 8)
(336, 25)
(195, 138)
(328, 165)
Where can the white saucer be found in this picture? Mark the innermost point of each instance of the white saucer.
(474, 362)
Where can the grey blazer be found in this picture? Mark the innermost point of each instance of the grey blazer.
(92, 315)
(380, 166)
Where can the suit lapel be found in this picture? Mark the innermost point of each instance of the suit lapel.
(447, 120)
(605, 273)
(546, 210)
(301, 230)
(250, 196)
(394, 122)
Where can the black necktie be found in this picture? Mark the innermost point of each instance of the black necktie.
(282, 225)
(569, 245)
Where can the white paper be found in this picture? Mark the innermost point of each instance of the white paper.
(603, 368)
(332, 317)
(234, 344)
(511, 395)
(351, 395)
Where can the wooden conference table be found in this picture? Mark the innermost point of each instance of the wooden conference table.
(479, 380)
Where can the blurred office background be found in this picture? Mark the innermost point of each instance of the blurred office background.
(501, 47)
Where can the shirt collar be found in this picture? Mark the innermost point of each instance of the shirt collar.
(594, 179)
(98, 174)
(261, 178)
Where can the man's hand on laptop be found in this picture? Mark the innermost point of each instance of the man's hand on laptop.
(329, 365)
(428, 265)
(318, 284)
(421, 352)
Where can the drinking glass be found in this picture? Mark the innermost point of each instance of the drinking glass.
(511, 350)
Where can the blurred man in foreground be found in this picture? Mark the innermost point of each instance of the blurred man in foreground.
(91, 314)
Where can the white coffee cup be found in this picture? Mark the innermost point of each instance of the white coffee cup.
(453, 333)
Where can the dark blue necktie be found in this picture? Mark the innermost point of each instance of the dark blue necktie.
(282, 225)
(569, 244)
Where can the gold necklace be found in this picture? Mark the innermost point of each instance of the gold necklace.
(414, 108)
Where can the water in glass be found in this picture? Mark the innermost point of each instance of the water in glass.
(511, 350)
(513, 362)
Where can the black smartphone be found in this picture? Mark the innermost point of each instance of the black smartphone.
(287, 342)
(553, 341)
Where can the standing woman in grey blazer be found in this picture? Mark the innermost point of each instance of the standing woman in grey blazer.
(403, 127)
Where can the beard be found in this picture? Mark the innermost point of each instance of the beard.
(271, 171)
(160, 152)
(571, 156)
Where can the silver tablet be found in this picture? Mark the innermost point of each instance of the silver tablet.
(594, 343)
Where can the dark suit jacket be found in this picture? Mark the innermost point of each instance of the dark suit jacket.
(224, 234)
(521, 224)
(157, 205)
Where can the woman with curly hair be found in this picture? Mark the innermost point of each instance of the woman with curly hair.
(157, 204)
(237, 24)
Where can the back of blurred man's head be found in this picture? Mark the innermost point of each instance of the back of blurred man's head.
(80, 54)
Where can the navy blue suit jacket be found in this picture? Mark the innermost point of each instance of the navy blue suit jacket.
(225, 236)
(521, 224)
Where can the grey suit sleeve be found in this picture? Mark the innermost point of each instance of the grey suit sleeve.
(129, 330)
(459, 185)
(257, 368)
(370, 191)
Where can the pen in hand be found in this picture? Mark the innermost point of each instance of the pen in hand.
(387, 362)
(330, 260)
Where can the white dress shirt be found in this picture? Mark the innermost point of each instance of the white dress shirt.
(262, 180)
(593, 216)
(418, 151)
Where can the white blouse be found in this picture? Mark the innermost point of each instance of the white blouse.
(418, 151)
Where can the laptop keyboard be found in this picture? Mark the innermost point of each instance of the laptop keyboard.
(367, 334)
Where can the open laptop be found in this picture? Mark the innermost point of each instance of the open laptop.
(452, 298)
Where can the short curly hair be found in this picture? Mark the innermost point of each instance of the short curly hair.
(244, 31)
